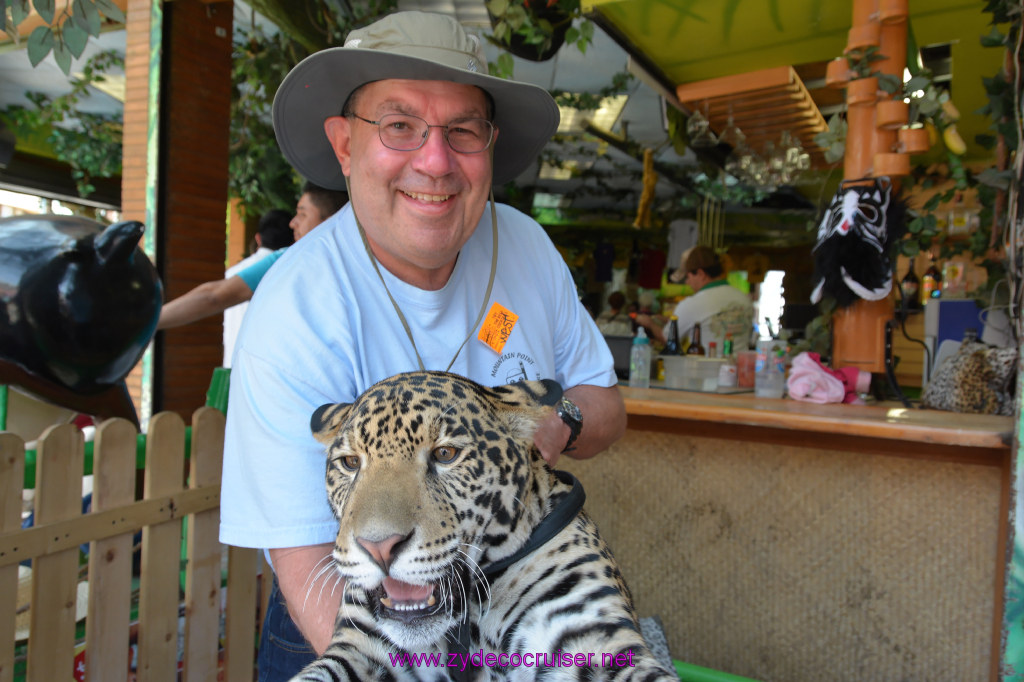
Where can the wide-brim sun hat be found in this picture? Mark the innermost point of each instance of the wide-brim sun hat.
(413, 46)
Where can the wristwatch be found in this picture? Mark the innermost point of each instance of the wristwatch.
(569, 413)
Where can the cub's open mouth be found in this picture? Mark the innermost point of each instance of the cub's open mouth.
(405, 601)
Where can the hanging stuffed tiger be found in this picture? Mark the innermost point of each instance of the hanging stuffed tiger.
(855, 240)
(464, 556)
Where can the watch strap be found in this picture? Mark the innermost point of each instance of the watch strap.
(569, 413)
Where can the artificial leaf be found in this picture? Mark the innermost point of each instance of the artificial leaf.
(506, 64)
(502, 32)
(728, 14)
(20, 9)
(773, 10)
(986, 141)
(93, 20)
(889, 83)
(910, 247)
(587, 31)
(110, 11)
(46, 9)
(40, 42)
(78, 14)
(75, 38)
(995, 178)
(993, 39)
(62, 56)
(497, 7)
(835, 152)
(6, 25)
(918, 83)
(926, 106)
(86, 16)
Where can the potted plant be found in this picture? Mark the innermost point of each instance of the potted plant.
(537, 29)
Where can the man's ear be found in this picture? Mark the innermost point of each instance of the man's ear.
(339, 130)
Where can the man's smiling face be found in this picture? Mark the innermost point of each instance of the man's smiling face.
(419, 207)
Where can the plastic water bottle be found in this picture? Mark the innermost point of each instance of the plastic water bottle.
(640, 360)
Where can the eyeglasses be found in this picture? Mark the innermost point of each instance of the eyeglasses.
(406, 133)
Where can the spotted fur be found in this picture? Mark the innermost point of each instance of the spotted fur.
(433, 479)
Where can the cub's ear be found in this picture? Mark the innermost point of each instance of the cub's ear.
(545, 392)
(526, 404)
(327, 420)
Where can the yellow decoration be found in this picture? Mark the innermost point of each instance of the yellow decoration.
(953, 141)
(951, 112)
(650, 179)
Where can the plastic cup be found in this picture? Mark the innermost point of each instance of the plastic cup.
(770, 369)
(769, 383)
(746, 360)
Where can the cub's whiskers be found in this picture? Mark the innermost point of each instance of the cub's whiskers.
(326, 564)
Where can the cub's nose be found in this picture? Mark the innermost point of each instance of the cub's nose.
(383, 552)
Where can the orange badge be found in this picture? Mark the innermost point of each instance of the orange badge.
(497, 327)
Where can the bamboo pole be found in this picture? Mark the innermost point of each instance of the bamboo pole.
(858, 332)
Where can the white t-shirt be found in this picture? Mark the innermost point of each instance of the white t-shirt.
(233, 315)
(720, 309)
(324, 331)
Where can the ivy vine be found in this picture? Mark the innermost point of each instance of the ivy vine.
(89, 143)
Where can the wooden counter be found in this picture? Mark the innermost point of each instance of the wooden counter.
(886, 429)
(783, 540)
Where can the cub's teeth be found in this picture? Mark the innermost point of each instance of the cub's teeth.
(387, 602)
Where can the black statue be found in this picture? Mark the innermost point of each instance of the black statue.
(79, 303)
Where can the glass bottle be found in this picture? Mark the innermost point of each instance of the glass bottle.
(672, 337)
(695, 347)
(727, 372)
(911, 287)
(931, 283)
(640, 360)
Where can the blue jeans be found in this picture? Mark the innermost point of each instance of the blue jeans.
(283, 650)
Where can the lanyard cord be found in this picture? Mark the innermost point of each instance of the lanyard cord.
(401, 317)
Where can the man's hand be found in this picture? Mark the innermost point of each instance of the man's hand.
(311, 589)
(604, 422)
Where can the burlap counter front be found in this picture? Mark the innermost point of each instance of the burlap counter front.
(787, 563)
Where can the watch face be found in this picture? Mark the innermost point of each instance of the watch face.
(571, 409)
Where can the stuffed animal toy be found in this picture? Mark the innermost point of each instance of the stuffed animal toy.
(852, 256)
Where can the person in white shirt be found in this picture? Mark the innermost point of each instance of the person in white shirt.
(274, 233)
(718, 307)
(315, 205)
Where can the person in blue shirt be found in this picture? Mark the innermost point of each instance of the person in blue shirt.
(315, 205)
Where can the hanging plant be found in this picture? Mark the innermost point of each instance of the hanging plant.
(65, 34)
(537, 29)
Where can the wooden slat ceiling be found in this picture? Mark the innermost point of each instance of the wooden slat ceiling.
(762, 104)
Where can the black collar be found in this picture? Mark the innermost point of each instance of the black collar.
(557, 519)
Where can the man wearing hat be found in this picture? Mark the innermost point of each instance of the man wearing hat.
(719, 308)
(420, 270)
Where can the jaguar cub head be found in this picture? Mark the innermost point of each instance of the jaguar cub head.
(431, 476)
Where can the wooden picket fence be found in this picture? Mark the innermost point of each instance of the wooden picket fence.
(52, 544)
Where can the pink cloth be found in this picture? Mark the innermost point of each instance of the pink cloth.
(811, 381)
